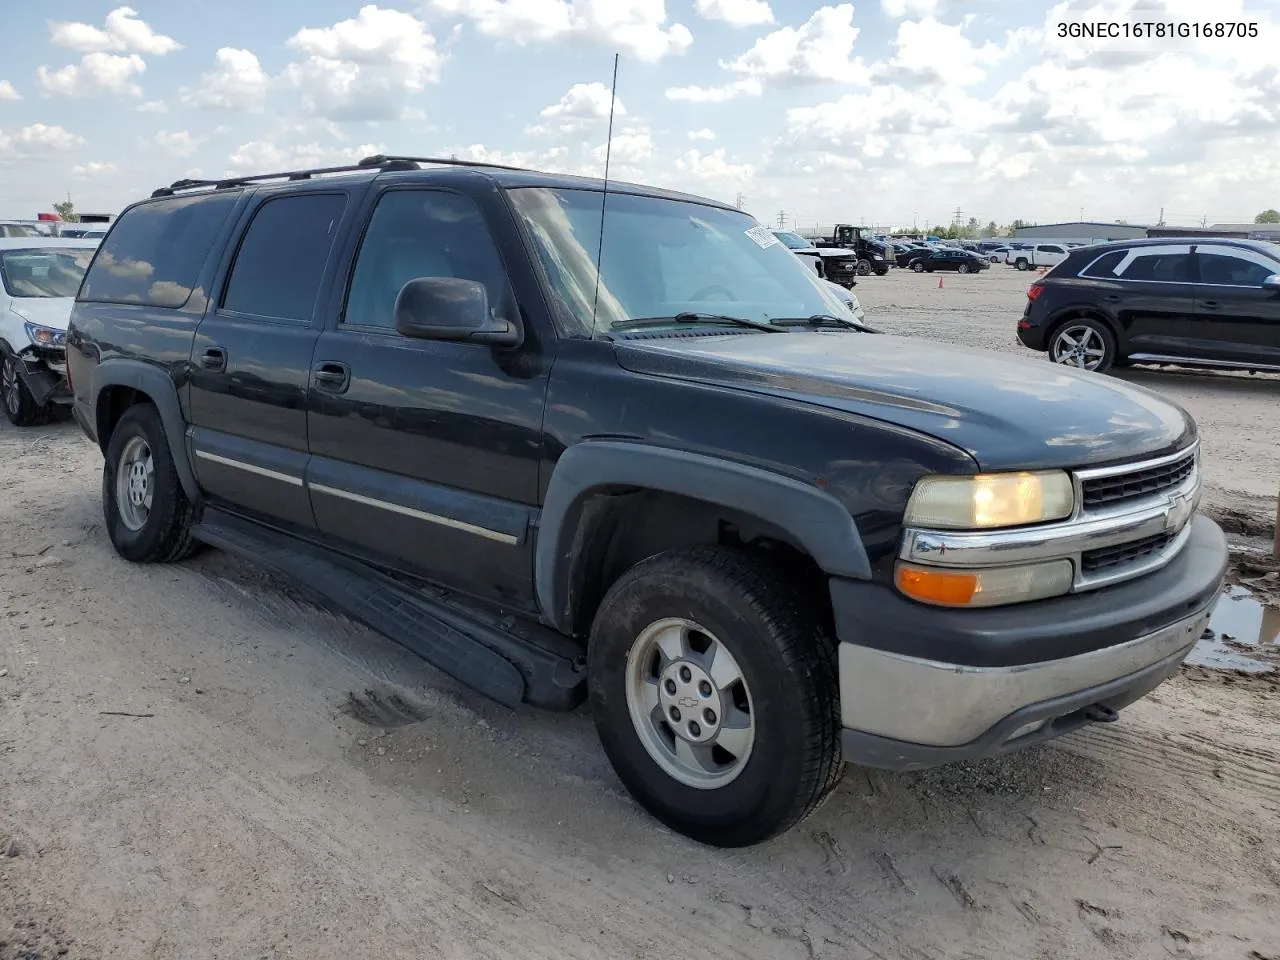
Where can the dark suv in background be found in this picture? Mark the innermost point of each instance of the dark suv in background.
(1199, 303)
(667, 473)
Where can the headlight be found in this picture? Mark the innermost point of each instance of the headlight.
(990, 587)
(46, 336)
(990, 500)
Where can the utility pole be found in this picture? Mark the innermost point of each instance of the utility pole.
(741, 200)
(958, 219)
(782, 219)
(1160, 223)
(1082, 214)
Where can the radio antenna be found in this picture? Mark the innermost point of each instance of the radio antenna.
(604, 193)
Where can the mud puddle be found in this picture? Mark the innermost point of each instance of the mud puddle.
(1243, 634)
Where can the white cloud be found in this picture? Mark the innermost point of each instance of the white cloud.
(7, 92)
(152, 106)
(913, 8)
(554, 159)
(706, 133)
(737, 13)
(630, 149)
(39, 138)
(926, 51)
(636, 28)
(123, 32)
(264, 156)
(177, 143)
(95, 75)
(93, 169)
(236, 82)
(585, 105)
(820, 50)
(749, 87)
(364, 68)
(714, 167)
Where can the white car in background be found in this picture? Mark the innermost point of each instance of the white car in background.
(39, 279)
(802, 248)
(850, 300)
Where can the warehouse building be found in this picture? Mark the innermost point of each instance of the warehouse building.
(1081, 230)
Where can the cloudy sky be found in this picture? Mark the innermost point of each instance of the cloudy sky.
(879, 111)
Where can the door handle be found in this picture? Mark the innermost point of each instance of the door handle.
(1209, 304)
(1113, 298)
(331, 375)
(215, 358)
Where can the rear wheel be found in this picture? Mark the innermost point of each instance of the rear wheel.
(1023, 265)
(19, 405)
(918, 267)
(715, 695)
(1084, 343)
(147, 513)
(963, 268)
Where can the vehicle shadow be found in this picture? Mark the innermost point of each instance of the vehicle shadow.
(1225, 383)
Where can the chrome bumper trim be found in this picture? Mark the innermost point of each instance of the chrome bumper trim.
(947, 705)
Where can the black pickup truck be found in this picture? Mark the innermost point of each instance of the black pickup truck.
(660, 470)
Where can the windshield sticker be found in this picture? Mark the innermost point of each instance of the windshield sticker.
(762, 237)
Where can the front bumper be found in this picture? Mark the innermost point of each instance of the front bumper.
(922, 686)
(44, 372)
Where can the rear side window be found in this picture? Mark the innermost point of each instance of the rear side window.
(281, 261)
(1104, 268)
(154, 253)
(1166, 267)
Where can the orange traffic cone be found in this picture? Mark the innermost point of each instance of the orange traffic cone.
(939, 283)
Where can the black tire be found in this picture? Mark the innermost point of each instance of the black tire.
(787, 660)
(1023, 265)
(1101, 331)
(165, 535)
(918, 267)
(864, 268)
(19, 406)
(963, 268)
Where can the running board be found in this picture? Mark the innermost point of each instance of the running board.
(491, 658)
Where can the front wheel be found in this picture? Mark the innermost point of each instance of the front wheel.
(715, 695)
(19, 405)
(147, 513)
(1084, 343)
(963, 268)
(864, 268)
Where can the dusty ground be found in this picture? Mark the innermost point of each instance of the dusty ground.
(294, 786)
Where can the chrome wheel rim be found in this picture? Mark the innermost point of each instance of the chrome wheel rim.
(135, 483)
(1079, 346)
(690, 704)
(9, 378)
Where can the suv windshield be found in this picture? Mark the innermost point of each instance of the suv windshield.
(662, 258)
(49, 272)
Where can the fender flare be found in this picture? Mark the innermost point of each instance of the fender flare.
(159, 386)
(817, 520)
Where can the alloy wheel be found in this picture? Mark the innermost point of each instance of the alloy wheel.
(689, 703)
(135, 483)
(1079, 346)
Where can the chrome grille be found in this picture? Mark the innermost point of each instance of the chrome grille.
(1119, 487)
(1092, 561)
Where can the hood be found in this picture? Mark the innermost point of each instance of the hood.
(1006, 412)
(51, 312)
(839, 252)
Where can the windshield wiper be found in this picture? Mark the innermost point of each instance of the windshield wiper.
(823, 320)
(689, 317)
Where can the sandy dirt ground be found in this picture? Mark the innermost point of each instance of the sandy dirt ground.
(195, 762)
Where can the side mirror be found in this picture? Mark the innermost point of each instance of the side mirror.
(1272, 283)
(449, 308)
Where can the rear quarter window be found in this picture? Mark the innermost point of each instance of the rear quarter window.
(154, 253)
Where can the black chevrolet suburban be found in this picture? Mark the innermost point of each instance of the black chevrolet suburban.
(572, 442)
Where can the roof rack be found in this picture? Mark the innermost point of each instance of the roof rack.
(379, 162)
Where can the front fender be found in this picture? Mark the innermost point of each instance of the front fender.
(814, 518)
(156, 383)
